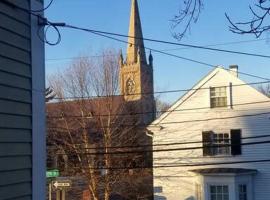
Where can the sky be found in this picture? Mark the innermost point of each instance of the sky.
(169, 73)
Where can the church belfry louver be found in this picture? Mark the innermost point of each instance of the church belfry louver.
(136, 74)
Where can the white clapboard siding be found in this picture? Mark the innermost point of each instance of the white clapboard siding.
(179, 182)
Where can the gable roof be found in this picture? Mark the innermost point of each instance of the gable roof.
(194, 89)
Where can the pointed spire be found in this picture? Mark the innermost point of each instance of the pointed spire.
(151, 59)
(121, 59)
(135, 30)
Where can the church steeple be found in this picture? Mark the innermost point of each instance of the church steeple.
(136, 75)
(135, 47)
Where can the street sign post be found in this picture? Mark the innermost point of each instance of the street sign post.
(61, 184)
(50, 174)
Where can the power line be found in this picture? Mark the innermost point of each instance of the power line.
(217, 163)
(159, 92)
(174, 122)
(46, 22)
(169, 54)
(167, 149)
(175, 165)
(116, 55)
(45, 8)
(221, 44)
(150, 112)
(126, 36)
(166, 42)
(165, 144)
(41, 20)
(218, 118)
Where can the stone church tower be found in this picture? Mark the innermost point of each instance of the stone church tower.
(136, 75)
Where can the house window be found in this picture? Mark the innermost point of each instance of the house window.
(222, 143)
(242, 189)
(218, 97)
(216, 143)
(219, 192)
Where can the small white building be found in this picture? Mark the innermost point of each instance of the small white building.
(216, 124)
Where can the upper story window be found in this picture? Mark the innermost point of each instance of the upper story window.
(221, 143)
(218, 97)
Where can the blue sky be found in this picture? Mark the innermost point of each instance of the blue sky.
(169, 73)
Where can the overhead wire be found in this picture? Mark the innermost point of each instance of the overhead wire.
(159, 92)
(198, 164)
(177, 165)
(176, 122)
(220, 44)
(117, 55)
(165, 144)
(45, 8)
(92, 115)
(105, 34)
(210, 119)
(46, 40)
(165, 42)
(43, 22)
(164, 53)
(167, 149)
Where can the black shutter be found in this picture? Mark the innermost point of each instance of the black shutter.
(206, 138)
(236, 148)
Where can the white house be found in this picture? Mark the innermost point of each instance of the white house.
(217, 123)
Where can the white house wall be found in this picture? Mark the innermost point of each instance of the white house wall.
(178, 183)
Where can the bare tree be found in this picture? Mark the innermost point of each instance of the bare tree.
(258, 24)
(161, 106)
(85, 128)
(265, 89)
(188, 14)
(190, 10)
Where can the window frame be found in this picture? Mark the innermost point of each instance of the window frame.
(214, 147)
(245, 193)
(234, 142)
(218, 144)
(216, 193)
(218, 95)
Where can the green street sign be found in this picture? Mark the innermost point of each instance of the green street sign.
(52, 173)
